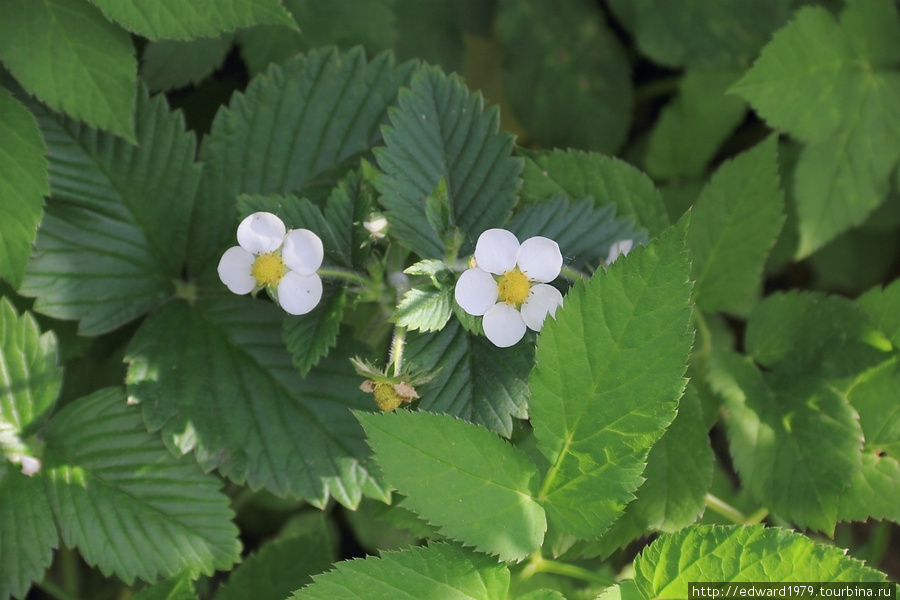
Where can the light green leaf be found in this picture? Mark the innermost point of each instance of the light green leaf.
(72, 59)
(461, 477)
(174, 588)
(27, 532)
(875, 399)
(796, 441)
(170, 64)
(872, 29)
(883, 307)
(438, 571)
(733, 226)
(424, 309)
(565, 74)
(225, 357)
(476, 381)
(292, 124)
(129, 506)
(691, 128)
(589, 174)
(873, 490)
(23, 185)
(609, 372)
(114, 234)
(542, 595)
(441, 130)
(176, 19)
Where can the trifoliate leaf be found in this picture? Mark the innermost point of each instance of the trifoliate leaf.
(225, 357)
(292, 124)
(609, 372)
(175, 588)
(588, 174)
(881, 304)
(438, 571)
(734, 224)
(441, 130)
(177, 20)
(170, 64)
(114, 233)
(873, 490)
(461, 477)
(875, 399)
(27, 532)
(568, 86)
(424, 309)
(72, 59)
(125, 502)
(23, 185)
(795, 439)
(473, 380)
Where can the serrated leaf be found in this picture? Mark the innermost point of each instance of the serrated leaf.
(424, 309)
(796, 441)
(114, 234)
(72, 59)
(463, 478)
(23, 185)
(27, 532)
(568, 86)
(441, 130)
(438, 571)
(174, 588)
(873, 490)
(589, 174)
(474, 380)
(128, 505)
(170, 64)
(881, 305)
(292, 124)
(875, 399)
(609, 371)
(178, 20)
(272, 429)
(734, 224)
(310, 337)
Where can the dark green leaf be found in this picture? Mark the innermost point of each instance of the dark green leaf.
(875, 399)
(174, 588)
(170, 64)
(310, 337)
(881, 305)
(873, 490)
(27, 532)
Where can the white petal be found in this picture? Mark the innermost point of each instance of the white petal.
(542, 300)
(298, 294)
(540, 259)
(30, 465)
(497, 251)
(260, 233)
(622, 247)
(303, 251)
(235, 268)
(476, 291)
(503, 325)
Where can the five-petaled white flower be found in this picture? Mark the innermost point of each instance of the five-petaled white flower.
(284, 262)
(519, 294)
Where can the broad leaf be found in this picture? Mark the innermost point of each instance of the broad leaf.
(27, 532)
(475, 486)
(881, 305)
(114, 234)
(170, 64)
(224, 357)
(875, 399)
(23, 185)
(310, 337)
(128, 505)
(474, 379)
(609, 372)
(873, 491)
(437, 571)
(441, 131)
(72, 59)
(734, 224)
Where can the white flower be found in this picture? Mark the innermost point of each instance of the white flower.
(284, 262)
(620, 248)
(508, 285)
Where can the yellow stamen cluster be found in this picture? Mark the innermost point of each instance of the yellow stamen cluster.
(268, 269)
(513, 287)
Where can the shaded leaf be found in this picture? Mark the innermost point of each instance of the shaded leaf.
(170, 64)
(174, 588)
(881, 304)
(27, 532)
(310, 337)
(873, 490)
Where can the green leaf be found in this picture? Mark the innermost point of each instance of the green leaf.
(568, 85)
(811, 334)
(129, 506)
(881, 305)
(691, 128)
(875, 399)
(588, 174)
(310, 337)
(733, 226)
(736, 553)
(174, 588)
(873, 490)
(225, 357)
(114, 233)
(175, 19)
(441, 130)
(542, 595)
(424, 309)
(476, 381)
(475, 486)
(437, 571)
(609, 372)
(170, 64)
(72, 59)
(27, 532)
(292, 124)
(23, 185)
(796, 441)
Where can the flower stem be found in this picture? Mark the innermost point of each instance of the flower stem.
(732, 514)
(572, 274)
(346, 275)
(539, 564)
(397, 349)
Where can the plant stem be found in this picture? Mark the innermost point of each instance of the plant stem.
(576, 572)
(726, 510)
(346, 275)
(573, 274)
(397, 349)
(54, 590)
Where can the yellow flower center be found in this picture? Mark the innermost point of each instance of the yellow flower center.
(386, 397)
(268, 269)
(513, 287)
